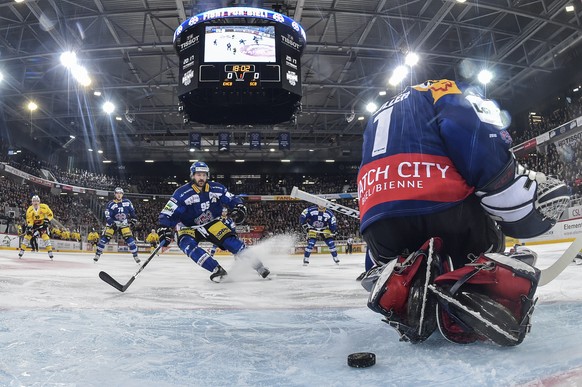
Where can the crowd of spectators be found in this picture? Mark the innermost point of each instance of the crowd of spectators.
(539, 123)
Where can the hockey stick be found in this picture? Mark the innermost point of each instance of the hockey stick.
(122, 288)
(298, 194)
(550, 273)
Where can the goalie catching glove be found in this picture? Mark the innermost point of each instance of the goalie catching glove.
(238, 213)
(524, 203)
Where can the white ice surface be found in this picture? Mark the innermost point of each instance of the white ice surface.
(60, 325)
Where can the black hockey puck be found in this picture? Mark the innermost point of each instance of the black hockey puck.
(361, 359)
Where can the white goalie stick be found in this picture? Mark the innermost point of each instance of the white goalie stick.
(551, 272)
(547, 275)
(299, 194)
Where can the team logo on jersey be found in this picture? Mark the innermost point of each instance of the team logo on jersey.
(439, 88)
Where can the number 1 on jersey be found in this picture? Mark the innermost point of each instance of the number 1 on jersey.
(382, 122)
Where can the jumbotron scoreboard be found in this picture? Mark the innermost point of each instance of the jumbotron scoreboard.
(239, 65)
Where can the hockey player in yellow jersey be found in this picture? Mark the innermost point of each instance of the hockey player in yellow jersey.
(93, 238)
(38, 218)
(153, 239)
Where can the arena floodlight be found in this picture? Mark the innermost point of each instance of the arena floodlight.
(371, 107)
(400, 72)
(570, 8)
(382, 93)
(32, 106)
(485, 76)
(69, 59)
(411, 59)
(108, 107)
(80, 74)
(272, 150)
(100, 151)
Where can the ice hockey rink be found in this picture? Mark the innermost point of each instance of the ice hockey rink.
(60, 325)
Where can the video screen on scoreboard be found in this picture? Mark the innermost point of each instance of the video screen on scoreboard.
(228, 43)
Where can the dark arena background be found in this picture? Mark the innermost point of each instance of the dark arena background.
(272, 95)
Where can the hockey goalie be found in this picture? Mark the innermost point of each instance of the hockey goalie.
(438, 188)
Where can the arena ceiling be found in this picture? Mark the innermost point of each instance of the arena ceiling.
(352, 47)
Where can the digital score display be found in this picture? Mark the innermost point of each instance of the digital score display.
(239, 65)
(243, 74)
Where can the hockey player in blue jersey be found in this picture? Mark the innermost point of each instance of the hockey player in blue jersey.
(318, 220)
(119, 216)
(438, 187)
(196, 208)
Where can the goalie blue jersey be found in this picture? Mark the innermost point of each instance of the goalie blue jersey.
(429, 148)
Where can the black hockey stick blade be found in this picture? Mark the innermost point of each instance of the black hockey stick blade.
(122, 288)
(108, 279)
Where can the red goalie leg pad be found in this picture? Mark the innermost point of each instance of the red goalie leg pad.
(506, 285)
(501, 278)
(394, 294)
(401, 293)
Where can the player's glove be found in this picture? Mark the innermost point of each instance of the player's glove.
(28, 230)
(166, 235)
(133, 222)
(239, 213)
(45, 224)
(306, 227)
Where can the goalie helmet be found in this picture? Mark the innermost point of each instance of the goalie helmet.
(35, 199)
(199, 166)
(119, 190)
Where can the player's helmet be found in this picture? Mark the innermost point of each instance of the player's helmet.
(118, 190)
(36, 199)
(199, 166)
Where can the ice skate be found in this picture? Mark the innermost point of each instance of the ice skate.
(578, 259)
(96, 258)
(20, 254)
(305, 261)
(137, 260)
(336, 260)
(50, 254)
(523, 254)
(218, 274)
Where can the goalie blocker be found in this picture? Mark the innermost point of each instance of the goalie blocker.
(491, 298)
